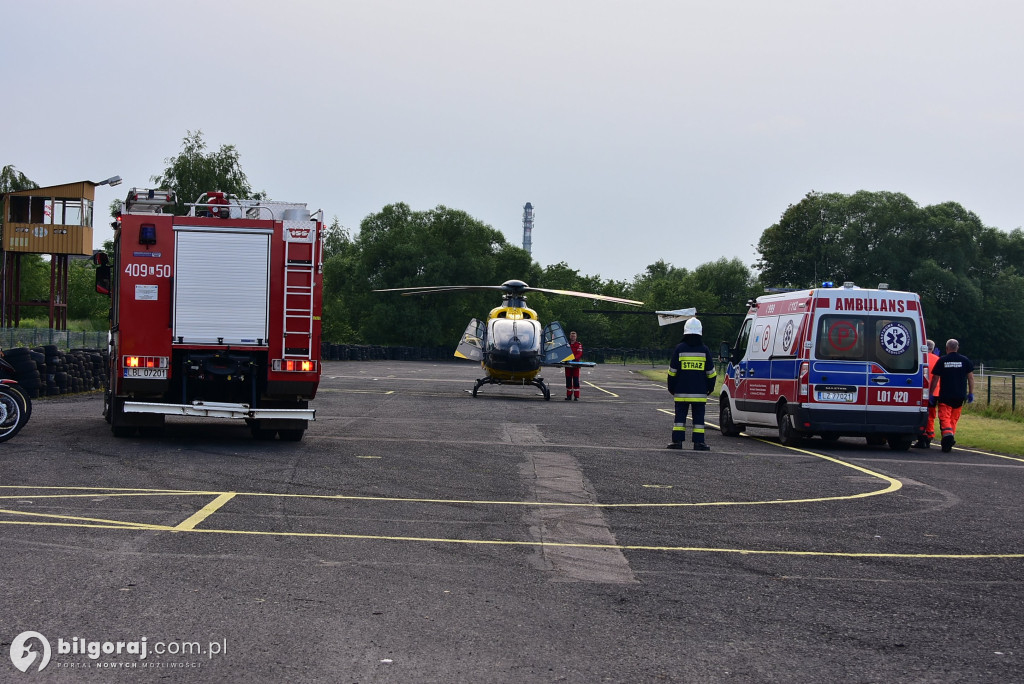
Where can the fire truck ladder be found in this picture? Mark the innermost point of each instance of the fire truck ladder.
(299, 277)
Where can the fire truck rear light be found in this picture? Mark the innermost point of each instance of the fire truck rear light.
(145, 361)
(294, 365)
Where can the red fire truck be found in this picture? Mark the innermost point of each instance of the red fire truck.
(215, 314)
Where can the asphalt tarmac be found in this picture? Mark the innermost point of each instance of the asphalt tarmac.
(419, 534)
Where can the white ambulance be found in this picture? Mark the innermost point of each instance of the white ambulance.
(830, 362)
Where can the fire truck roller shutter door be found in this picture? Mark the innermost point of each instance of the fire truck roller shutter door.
(221, 288)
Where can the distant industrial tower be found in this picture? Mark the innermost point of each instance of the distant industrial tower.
(528, 228)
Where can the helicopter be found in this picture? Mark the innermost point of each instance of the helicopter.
(511, 345)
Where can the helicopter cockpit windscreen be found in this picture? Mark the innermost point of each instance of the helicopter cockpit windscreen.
(522, 334)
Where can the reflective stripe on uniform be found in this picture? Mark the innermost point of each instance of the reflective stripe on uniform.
(692, 398)
(691, 362)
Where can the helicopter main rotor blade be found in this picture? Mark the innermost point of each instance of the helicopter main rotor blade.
(406, 291)
(587, 295)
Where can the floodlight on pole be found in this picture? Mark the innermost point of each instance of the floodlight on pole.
(112, 181)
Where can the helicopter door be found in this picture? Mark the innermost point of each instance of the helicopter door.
(556, 344)
(472, 344)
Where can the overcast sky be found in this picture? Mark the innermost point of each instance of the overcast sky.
(639, 130)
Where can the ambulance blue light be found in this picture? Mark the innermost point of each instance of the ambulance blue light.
(828, 283)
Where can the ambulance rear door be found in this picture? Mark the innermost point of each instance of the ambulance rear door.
(838, 373)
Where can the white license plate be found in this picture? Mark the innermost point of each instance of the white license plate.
(151, 373)
(840, 397)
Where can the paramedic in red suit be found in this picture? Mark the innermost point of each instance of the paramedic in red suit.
(572, 373)
(925, 441)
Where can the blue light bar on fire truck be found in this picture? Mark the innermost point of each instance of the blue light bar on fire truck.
(294, 365)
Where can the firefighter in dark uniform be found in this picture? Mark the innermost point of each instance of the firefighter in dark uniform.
(691, 378)
(572, 373)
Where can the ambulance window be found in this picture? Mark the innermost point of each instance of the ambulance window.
(841, 338)
(895, 344)
(739, 350)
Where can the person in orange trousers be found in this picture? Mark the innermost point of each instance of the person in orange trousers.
(957, 374)
(925, 441)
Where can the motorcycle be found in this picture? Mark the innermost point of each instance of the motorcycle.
(15, 403)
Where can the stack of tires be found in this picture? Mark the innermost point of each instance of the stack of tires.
(26, 369)
(49, 370)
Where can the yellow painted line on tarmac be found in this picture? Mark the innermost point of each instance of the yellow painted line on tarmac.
(102, 491)
(95, 521)
(189, 525)
(204, 512)
(600, 388)
(353, 391)
(894, 484)
(619, 547)
(538, 544)
(986, 453)
(103, 494)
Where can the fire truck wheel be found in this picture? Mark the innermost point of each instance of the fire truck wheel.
(725, 424)
(291, 435)
(788, 435)
(117, 425)
(262, 434)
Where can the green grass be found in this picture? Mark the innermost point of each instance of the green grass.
(1002, 435)
(986, 428)
(73, 325)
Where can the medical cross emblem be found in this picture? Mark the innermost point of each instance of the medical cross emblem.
(895, 338)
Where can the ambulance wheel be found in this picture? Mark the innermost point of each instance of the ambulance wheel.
(900, 442)
(725, 424)
(788, 435)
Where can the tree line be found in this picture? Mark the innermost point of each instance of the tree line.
(970, 276)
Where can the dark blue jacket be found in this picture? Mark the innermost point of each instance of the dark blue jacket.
(691, 370)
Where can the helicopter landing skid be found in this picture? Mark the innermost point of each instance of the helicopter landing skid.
(536, 382)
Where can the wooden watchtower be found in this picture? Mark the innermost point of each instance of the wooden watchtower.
(55, 220)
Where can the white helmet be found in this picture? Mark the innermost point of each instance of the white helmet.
(693, 327)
